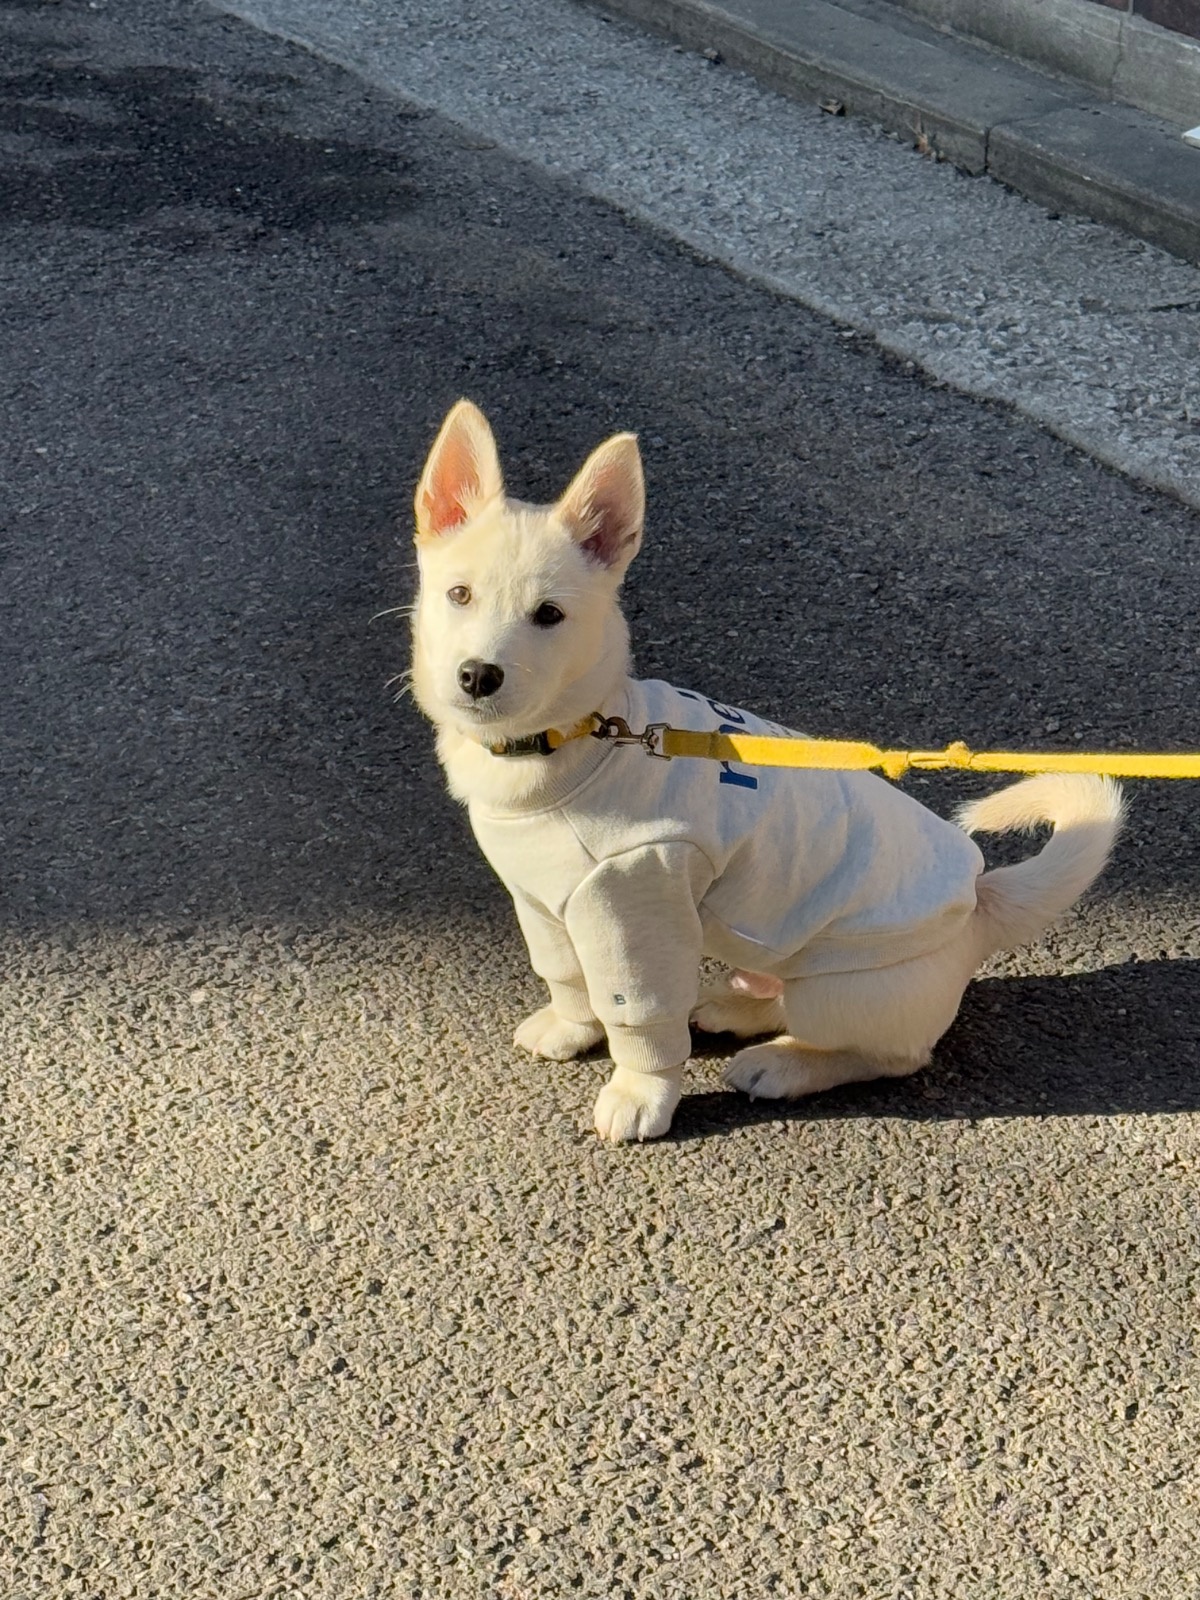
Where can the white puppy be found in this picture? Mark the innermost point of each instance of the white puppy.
(852, 916)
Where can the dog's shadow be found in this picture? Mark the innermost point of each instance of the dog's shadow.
(1123, 1040)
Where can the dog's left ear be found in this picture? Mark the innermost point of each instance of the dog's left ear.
(461, 474)
(606, 503)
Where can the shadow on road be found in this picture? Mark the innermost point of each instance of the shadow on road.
(243, 300)
(1123, 1040)
(107, 149)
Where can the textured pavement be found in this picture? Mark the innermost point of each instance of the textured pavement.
(310, 1285)
(1090, 332)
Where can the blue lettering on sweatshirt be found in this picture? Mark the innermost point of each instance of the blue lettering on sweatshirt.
(734, 720)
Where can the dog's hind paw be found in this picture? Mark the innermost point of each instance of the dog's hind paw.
(547, 1034)
(781, 1070)
(638, 1105)
(725, 1010)
(785, 1069)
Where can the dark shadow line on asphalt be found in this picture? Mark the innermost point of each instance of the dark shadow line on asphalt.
(113, 148)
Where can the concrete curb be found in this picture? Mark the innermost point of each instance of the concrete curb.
(1055, 141)
(1112, 52)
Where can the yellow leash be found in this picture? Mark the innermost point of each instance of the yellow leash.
(848, 755)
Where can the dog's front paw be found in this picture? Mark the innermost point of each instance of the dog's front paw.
(638, 1105)
(547, 1034)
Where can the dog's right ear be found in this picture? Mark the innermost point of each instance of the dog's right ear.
(461, 474)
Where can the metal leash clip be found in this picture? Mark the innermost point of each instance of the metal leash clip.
(615, 730)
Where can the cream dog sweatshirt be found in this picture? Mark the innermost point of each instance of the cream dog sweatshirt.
(623, 878)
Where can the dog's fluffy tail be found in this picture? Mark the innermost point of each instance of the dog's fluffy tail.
(1015, 903)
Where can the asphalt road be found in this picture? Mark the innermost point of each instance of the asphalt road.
(1089, 331)
(311, 1285)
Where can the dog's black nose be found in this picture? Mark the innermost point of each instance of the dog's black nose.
(480, 678)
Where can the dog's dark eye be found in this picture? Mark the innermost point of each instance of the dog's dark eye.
(460, 595)
(547, 615)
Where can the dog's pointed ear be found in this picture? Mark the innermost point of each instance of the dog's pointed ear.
(606, 503)
(461, 474)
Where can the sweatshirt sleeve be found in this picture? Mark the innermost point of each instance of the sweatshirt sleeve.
(552, 956)
(634, 923)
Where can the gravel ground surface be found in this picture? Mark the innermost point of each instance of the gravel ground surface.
(312, 1286)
